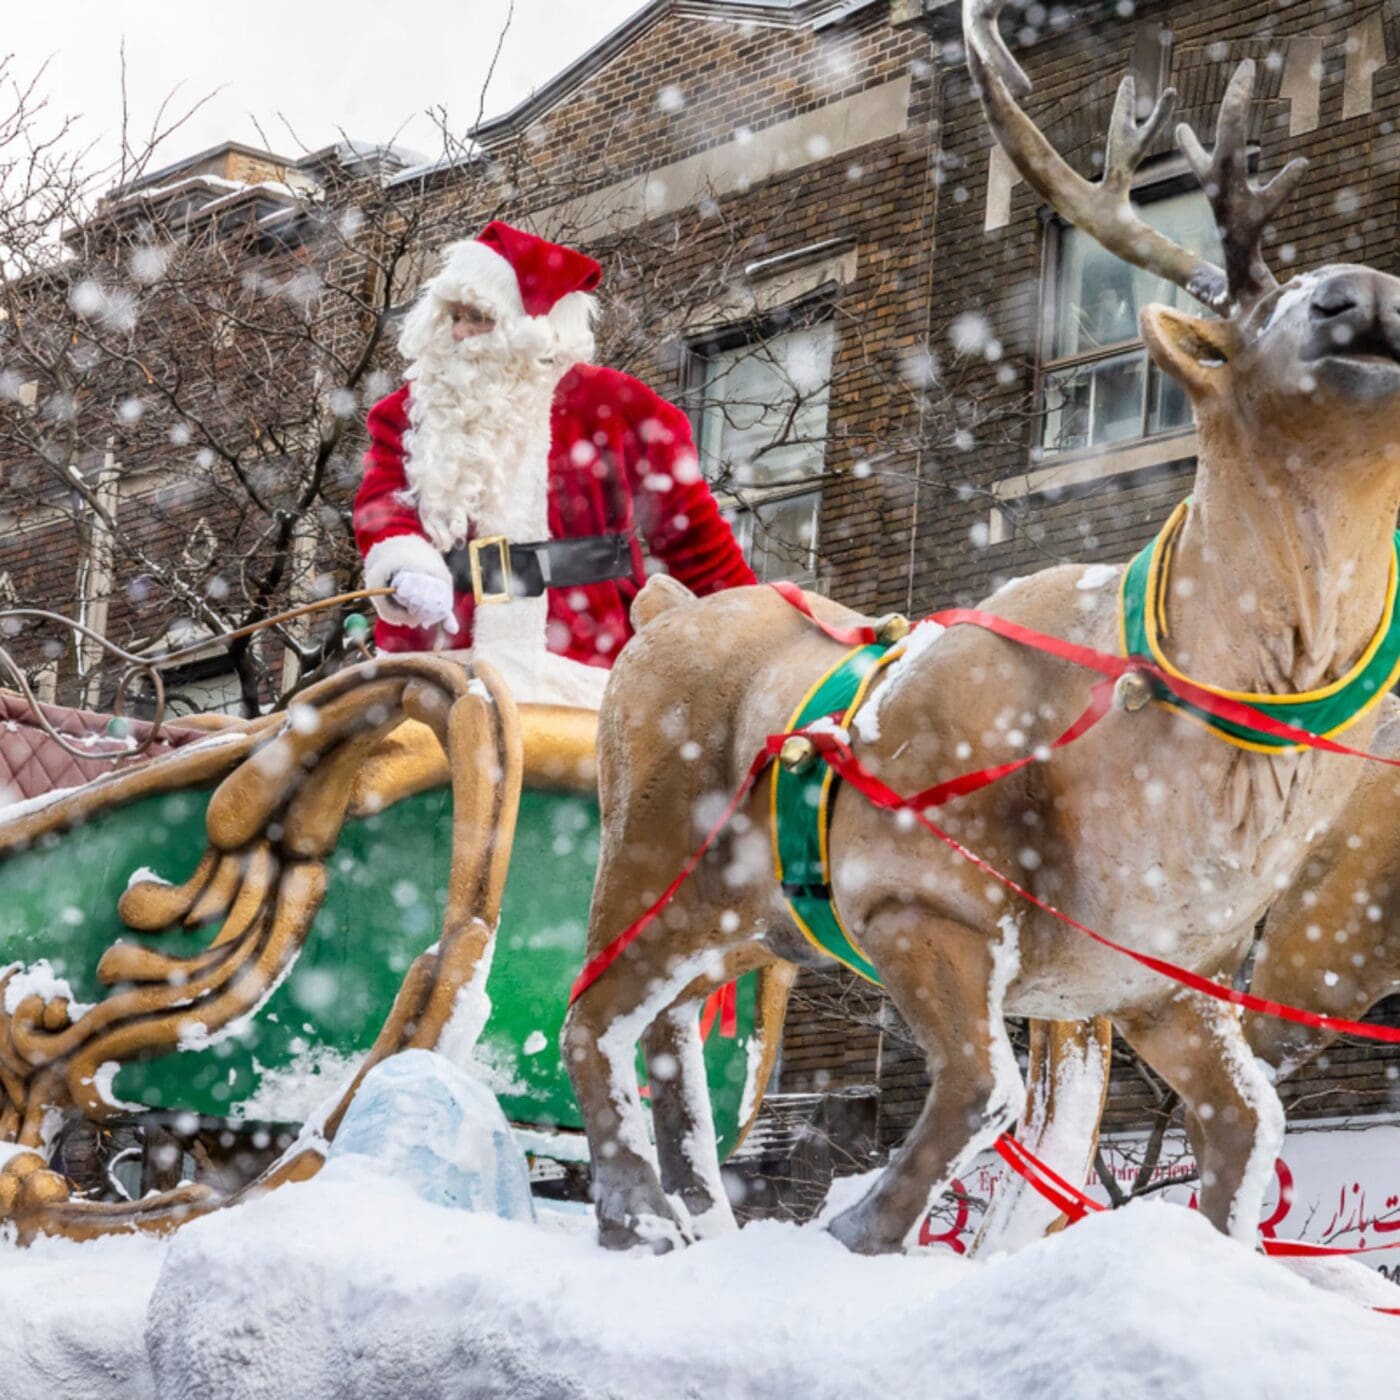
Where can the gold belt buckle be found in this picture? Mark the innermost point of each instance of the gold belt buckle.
(502, 547)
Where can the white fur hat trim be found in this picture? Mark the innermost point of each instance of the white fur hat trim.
(472, 271)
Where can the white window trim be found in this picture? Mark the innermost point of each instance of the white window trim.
(774, 283)
(750, 499)
(43, 681)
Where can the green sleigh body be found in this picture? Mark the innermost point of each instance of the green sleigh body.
(384, 905)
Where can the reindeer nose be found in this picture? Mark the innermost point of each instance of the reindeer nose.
(1343, 307)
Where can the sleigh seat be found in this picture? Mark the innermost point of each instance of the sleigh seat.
(33, 764)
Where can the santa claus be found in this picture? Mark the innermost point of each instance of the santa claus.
(509, 485)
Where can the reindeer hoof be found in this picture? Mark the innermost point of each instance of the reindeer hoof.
(648, 1232)
(640, 1218)
(861, 1235)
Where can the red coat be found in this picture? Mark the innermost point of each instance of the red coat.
(621, 459)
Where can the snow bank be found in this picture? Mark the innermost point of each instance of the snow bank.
(352, 1277)
(352, 1285)
(74, 1317)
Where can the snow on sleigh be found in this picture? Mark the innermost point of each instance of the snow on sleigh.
(211, 942)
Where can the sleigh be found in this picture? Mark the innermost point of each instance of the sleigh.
(213, 940)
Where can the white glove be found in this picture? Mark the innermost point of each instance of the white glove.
(426, 598)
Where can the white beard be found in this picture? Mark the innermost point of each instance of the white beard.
(477, 449)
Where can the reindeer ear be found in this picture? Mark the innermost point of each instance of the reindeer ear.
(1192, 349)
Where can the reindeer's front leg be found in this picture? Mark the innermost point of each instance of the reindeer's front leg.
(947, 981)
(1233, 1114)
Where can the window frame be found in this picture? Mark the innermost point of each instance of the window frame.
(1165, 181)
(212, 664)
(817, 307)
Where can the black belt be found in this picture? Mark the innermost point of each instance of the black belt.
(493, 570)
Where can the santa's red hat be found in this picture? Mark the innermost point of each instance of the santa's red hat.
(513, 273)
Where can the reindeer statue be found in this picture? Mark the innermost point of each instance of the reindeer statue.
(1153, 826)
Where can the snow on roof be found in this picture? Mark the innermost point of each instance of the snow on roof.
(275, 191)
(188, 182)
(428, 168)
(186, 163)
(225, 193)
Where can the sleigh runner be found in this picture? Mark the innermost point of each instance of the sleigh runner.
(231, 930)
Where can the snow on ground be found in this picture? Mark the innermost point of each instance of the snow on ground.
(73, 1319)
(352, 1286)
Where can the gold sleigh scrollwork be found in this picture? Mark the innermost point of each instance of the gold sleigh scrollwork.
(355, 744)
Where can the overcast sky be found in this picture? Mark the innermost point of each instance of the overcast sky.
(367, 67)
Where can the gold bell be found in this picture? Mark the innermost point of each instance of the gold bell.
(797, 753)
(1132, 691)
(892, 628)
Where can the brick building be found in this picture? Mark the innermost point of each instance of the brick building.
(909, 381)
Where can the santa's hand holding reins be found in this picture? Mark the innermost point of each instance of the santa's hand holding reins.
(426, 598)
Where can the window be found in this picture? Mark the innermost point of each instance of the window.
(204, 684)
(1098, 386)
(204, 689)
(761, 415)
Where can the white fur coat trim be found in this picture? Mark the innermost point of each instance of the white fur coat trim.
(394, 555)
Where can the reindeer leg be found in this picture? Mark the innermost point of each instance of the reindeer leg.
(600, 1044)
(681, 1116)
(947, 981)
(1233, 1114)
(1067, 1085)
(682, 1119)
(600, 1037)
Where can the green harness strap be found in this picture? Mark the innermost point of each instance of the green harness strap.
(1324, 712)
(802, 811)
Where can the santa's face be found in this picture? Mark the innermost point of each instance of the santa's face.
(469, 320)
(463, 339)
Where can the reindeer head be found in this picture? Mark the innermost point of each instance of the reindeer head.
(1316, 361)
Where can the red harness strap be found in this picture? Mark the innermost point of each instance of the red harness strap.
(595, 967)
(1067, 1199)
(1236, 711)
(1100, 701)
(721, 1005)
(849, 768)
(860, 635)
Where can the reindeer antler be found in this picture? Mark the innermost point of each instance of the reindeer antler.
(1241, 207)
(1104, 208)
